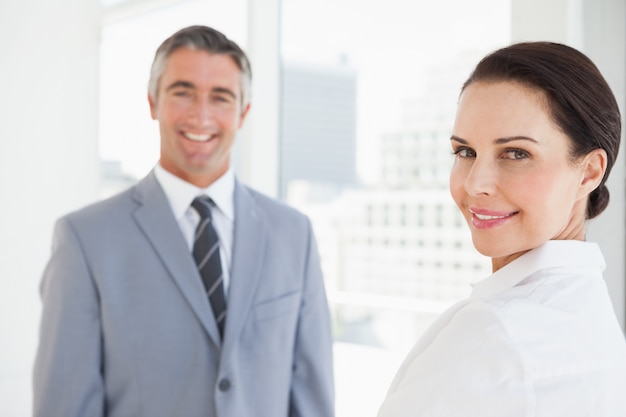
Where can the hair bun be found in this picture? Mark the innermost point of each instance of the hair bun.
(598, 201)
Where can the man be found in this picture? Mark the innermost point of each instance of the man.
(140, 319)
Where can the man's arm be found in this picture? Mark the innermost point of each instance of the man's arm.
(67, 378)
(312, 387)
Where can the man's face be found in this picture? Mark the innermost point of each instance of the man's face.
(199, 109)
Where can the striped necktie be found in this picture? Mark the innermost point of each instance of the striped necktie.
(206, 253)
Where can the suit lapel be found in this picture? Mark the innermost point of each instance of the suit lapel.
(155, 218)
(250, 238)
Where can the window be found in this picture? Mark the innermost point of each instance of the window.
(375, 108)
(368, 96)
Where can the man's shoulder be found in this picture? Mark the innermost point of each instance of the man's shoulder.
(271, 206)
(144, 191)
(104, 209)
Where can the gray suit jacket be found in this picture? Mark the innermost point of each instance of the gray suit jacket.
(127, 330)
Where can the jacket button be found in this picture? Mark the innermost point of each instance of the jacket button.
(224, 385)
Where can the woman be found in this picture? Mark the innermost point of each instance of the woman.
(536, 134)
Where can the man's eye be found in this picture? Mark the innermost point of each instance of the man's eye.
(222, 99)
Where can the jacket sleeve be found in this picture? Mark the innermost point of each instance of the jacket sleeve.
(312, 389)
(67, 377)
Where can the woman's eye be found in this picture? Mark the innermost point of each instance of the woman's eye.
(465, 152)
(516, 154)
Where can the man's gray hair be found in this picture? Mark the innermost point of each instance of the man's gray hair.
(201, 38)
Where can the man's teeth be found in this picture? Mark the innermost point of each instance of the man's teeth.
(197, 138)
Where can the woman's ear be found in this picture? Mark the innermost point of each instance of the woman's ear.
(594, 167)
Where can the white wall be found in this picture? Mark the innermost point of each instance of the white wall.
(48, 160)
(596, 27)
(604, 40)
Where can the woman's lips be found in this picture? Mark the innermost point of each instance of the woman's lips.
(485, 219)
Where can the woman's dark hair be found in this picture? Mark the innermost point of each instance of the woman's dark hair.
(580, 101)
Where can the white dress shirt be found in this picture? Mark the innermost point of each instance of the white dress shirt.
(538, 338)
(180, 194)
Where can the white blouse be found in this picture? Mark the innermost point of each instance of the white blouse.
(539, 337)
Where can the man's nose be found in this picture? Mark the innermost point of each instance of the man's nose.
(203, 112)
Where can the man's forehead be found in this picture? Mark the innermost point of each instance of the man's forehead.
(185, 52)
(195, 69)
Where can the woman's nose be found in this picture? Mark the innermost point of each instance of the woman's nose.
(481, 178)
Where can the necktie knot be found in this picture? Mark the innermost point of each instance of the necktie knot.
(202, 205)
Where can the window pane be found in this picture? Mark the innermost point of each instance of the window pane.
(369, 97)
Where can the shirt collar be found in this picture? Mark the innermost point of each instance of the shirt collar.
(552, 254)
(180, 193)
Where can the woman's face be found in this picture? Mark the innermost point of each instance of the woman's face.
(513, 178)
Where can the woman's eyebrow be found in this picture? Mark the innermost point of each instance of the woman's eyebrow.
(499, 141)
(458, 139)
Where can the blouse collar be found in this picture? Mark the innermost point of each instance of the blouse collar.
(552, 254)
